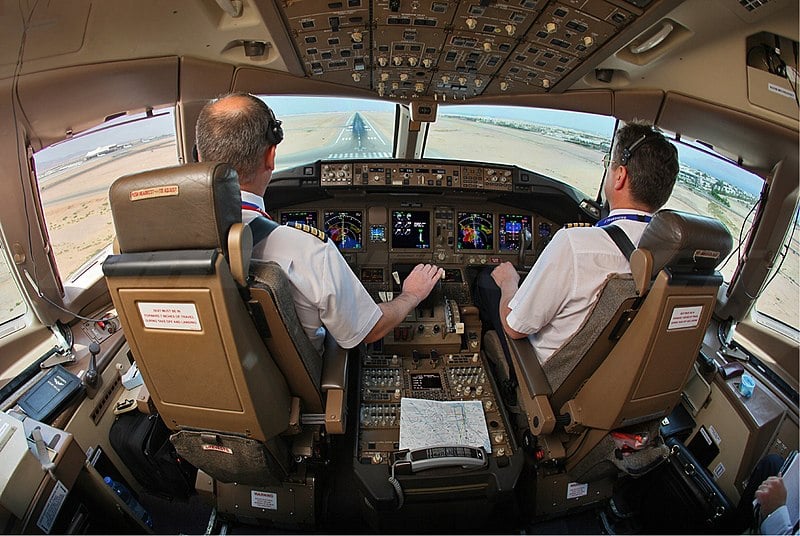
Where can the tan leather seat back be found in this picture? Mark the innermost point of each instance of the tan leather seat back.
(643, 376)
(181, 310)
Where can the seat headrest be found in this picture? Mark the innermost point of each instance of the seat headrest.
(685, 242)
(190, 206)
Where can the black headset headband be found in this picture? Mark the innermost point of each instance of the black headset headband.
(627, 152)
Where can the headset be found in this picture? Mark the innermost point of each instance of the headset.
(627, 152)
(274, 132)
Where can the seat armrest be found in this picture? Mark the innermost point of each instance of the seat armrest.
(334, 385)
(334, 365)
(528, 367)
(534, 388)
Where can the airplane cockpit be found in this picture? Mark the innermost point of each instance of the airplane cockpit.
(155, 376)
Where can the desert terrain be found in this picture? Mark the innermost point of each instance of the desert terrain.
(80, 226)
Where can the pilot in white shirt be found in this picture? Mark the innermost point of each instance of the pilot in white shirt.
(326, 291)
(241, 130)
(557, 295)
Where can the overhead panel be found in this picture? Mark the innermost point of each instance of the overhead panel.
(332, 39)
(405, 49)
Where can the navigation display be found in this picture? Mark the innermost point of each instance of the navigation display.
(344, 227)
(307, 217)
(475, 230)
(411, 229)
(509, 231)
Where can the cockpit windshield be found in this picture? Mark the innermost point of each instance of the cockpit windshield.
(563, 145)
(323, 128)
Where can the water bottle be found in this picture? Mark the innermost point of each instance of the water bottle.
(128, 498)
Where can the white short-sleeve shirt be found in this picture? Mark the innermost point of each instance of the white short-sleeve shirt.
(556, 297)
(327, 294)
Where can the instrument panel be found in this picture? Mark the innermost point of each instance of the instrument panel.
(437, 233)
(385, 216)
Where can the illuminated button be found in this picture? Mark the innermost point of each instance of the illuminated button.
(550, 27)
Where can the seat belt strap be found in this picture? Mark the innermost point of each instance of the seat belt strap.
(620, 239)
(261, 228)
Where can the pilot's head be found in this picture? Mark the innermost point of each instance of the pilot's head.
(240, 129)
(647, 164)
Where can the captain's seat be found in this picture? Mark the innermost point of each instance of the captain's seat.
(225, 362)
(628, 364)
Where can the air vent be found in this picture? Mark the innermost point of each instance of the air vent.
(752, 5)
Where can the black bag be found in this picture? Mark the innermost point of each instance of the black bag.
(142, 443)
(682, 498)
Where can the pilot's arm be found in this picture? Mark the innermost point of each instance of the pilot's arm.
(543, 293)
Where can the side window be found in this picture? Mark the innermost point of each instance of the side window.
(74, 177)
(710, 185)
(713, 186)
(12, 305)
(781, 296)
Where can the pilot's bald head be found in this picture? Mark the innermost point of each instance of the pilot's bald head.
(232, 129)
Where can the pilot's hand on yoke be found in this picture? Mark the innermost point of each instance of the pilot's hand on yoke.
(421, 280)
(506, 276)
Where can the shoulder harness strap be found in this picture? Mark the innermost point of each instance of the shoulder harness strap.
(620, 239)
(261, 228)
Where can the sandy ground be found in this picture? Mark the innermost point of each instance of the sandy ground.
(76, 201)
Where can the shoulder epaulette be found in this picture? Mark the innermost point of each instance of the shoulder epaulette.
(581, 224)
(310, 230)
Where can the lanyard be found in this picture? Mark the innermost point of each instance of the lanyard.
(634, 217)
(252, 206)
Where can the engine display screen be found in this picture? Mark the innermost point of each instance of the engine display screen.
(307, 217)
(510, 228)
(475, 230)
(411, 229)
(345, 228)
(421, 381)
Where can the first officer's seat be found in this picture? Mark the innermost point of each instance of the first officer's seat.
(629, 362)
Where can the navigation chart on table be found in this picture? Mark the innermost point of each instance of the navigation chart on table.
(428, 423)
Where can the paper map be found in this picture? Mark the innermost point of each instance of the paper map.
(428, 423)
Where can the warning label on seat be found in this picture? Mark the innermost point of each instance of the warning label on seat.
(175, 316)
(685, 317)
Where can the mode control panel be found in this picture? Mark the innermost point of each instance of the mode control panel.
(400, 173)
